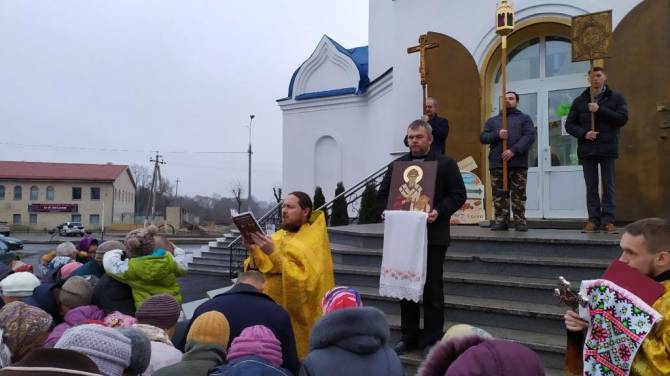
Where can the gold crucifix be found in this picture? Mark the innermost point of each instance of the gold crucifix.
(421, 48)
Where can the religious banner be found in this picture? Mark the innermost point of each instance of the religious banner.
(412, 186)
(591, 36)
(472, 211)
(53, 208)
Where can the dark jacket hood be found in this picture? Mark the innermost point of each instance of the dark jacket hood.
(361, 330)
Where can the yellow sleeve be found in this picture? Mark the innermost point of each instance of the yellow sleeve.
(653, 358)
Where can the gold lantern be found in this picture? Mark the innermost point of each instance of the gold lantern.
(504, 18)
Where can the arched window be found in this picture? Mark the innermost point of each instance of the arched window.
(50, 193)
(18, 192)
(2, 192)
(34, 193)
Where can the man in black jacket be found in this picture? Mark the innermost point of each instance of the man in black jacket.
(519, 134)
(598, 147)
(244, 305)
(439, 125)
(449, 197)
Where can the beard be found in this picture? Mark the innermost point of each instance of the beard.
(291, 227)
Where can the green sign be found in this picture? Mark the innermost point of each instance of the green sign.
(563, 109)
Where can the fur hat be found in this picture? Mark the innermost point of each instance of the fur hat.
(464, 330)
(161, 311)
(257, 340)
(106, 247)
(52, 362)
(66, 249)
(140, 242)
(140, 350)
(107, 347)
(76, 292)
(340, 297)
(19, 284)
(474, 355)
(210, 327)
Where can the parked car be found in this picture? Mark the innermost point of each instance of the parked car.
(4, 228)
(7, 256)
(12, 243)
(71, 228)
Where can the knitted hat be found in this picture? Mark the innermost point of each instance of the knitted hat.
(161, 311)
(20, 266)
(140, 350)
(210, 327)
(85, 243)
(58, 261)
(462, 330)
(76, 292)
(106, 247)
(52, 362)
(140, 242)
(23, 326)
(68, 268)
(66, 249)
(257, 340)
(107, 347)
(19, 284)
(340, 297)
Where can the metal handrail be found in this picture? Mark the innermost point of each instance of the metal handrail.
(274, 214)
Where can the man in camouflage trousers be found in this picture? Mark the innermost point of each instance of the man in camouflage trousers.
(520, 134)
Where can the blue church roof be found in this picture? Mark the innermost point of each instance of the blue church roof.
(359, 56)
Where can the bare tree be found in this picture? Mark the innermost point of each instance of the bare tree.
(237, 190)
(141, 174)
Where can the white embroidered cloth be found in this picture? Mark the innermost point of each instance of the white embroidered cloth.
(403, 271)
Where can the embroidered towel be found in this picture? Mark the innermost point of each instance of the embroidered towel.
(403, 272)
(619, 322)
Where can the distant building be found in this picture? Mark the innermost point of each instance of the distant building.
(38, 196)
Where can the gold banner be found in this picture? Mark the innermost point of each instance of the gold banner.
(591, 36)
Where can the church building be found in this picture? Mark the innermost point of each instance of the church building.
(349, 106)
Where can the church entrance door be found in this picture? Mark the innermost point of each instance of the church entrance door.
(541, 72)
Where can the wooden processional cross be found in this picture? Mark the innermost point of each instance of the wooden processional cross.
(421, 48)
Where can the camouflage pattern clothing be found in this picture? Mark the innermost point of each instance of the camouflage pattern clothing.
(517, 178)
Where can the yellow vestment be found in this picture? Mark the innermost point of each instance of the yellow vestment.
(653, 357)
(298, 274)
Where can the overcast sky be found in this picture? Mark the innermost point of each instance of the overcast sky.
(175, 76)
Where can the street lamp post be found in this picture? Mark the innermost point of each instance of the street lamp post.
(251, 118)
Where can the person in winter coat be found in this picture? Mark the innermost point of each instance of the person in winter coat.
(350, 339)
(206, 345)
(150, 270)
(474, 355)
(18, 286)
(157, 318)
(245, 305)
(520, 134)
(111, 295)
(256, 352)
(75, 305)
(599, 147)
(53, 362)
(94, 266)
(22, 329)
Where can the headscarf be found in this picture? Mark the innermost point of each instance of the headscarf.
(22, 326)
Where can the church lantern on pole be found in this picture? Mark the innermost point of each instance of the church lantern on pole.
(504, 27)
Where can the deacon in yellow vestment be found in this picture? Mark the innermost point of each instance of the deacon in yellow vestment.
(298, 272)
(653, 358)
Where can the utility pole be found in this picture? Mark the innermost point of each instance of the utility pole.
(155, 180)
(251, 118)
(176, 191)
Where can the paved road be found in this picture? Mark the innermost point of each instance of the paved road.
(193, 287)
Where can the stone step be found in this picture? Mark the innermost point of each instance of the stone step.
(540, 266)
(206, 269)
(550, 348)
(532, 290)
(208, 255)
(536, 317)
(541, 242)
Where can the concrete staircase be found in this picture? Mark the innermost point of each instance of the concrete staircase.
(501, 282)
(216, 259)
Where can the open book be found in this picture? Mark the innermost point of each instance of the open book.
(247, 224)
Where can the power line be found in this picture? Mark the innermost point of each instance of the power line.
(85, 148)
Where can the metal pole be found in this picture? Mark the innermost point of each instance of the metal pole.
(593, 99)
(251, 118)
(505, 187)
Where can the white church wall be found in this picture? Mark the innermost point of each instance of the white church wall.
(308, 125)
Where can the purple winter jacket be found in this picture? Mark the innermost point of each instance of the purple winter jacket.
(76, 316)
